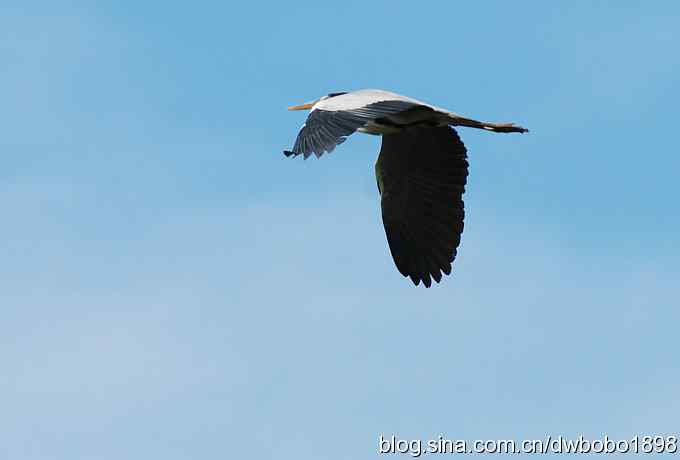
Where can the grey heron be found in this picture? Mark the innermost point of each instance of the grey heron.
(421, 170)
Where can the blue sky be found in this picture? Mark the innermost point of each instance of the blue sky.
(173, 287)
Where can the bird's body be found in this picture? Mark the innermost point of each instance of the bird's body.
(421, 170)
(357, 99)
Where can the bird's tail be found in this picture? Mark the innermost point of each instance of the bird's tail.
(456, 120)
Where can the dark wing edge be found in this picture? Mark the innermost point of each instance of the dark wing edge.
(421, 174)
(325, 129)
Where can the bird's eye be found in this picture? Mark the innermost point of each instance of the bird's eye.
(336, 94)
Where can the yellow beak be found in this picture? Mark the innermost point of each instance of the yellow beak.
(305, 106)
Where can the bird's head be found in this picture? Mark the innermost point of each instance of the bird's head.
(310, 104)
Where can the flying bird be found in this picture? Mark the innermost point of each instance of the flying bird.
(421, 170)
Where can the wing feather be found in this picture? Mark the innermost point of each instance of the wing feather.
(324, 129)
(422, 172)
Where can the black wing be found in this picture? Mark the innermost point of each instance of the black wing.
(324, 129)
(421, 175)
